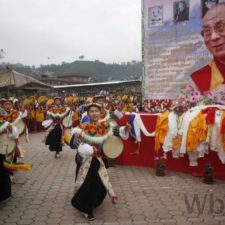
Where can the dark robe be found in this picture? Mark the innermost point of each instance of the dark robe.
(92, 192)
(5, 182)
(54, 139)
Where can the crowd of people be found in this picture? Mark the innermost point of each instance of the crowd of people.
(36, 107)
(88, 120)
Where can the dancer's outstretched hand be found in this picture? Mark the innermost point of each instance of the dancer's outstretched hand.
(115, 200)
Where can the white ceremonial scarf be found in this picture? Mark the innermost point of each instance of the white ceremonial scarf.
(139, 126)
(189, 116)
(172, 132)
(216, 143)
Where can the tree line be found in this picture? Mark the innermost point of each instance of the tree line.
(97, 70)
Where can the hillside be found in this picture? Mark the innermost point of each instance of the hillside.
(99, 71)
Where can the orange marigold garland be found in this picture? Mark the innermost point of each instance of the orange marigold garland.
(95, 129)
(11, 117)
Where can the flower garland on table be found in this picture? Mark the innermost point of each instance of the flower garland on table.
(195, 98)
(192, 97)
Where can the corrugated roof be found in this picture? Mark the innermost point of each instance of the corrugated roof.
(93, 84)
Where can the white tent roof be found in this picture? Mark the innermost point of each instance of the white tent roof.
(94, 84)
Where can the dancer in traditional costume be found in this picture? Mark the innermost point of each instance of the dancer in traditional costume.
(92, 181)
(40, 112)
(72, 120)
(20, 107)
(54, 138)
(104, 115)
(31, 117)
(40, 116)
(11, 125)
(13, 118)
(5, 182)
(75, 116)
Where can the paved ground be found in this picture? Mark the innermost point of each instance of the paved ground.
(42, 195)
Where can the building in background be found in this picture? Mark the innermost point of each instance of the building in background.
(130, 87)
(66, 79)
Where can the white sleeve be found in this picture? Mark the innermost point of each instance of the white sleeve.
(47, 123)
(15, 133)
(24, 114)
(85, 150)
(123, 133)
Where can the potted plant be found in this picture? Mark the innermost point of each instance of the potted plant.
(208, 175)
(160, 166)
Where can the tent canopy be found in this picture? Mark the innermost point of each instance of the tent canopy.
(12, 78)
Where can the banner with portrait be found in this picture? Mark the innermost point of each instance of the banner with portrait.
(173, 47)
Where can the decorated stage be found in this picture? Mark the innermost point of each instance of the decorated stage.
(146, 156)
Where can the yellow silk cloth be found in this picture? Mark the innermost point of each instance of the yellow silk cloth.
(32, 114)
(223, 134)
(176, 142)
(197, 132)
(66, 137)
(17, 166)
(75, 116)
(161, 130)
(40, 116)
(130, 107)
(216, 76)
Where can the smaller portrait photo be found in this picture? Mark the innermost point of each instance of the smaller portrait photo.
(181, 11)
(208, 4)
(155, 16)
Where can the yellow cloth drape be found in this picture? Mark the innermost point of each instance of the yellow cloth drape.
(223, 134)
(124, 108)
(40, 116)
(32, 114)
(197, 132)
(161, 130)
(17, 166)
(216, 76)
(176, 142)
(66, 137)
(130, 107)
(75, 116)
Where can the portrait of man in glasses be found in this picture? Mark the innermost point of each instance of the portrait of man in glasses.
(208, 4)
(212, 76)
(181, 11)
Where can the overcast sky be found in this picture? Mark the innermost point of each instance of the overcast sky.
(35, 32)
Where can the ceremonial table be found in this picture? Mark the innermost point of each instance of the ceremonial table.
(146, 156)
